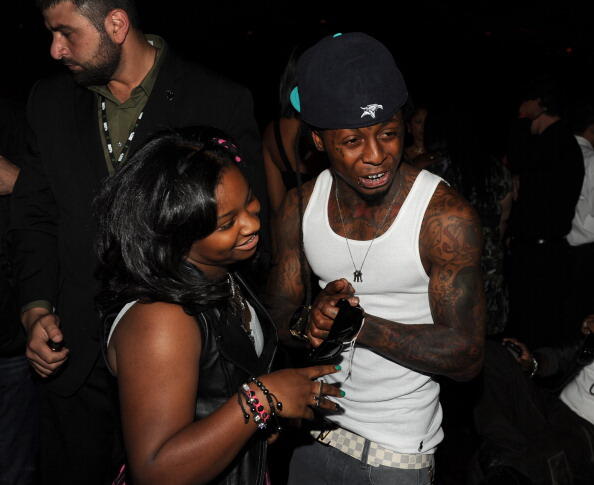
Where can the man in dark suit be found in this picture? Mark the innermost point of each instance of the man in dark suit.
(123, 86)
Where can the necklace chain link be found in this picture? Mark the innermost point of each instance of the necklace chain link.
(239, 306)
(358, 273)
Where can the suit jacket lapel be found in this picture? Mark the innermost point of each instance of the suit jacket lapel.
(159, 112)
(92, 160)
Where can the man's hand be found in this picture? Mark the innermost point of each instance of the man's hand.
(8, 176)
(324, 310)
(525, 359)
(41, 326)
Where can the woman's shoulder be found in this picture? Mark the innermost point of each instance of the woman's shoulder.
(156, 323)
(156, 331)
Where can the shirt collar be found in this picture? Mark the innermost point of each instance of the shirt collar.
(583, 142)
(146, 86)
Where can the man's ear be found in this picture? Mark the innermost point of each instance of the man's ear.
(318, 142)
(117, 25)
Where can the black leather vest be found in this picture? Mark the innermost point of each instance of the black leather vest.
(228, 358)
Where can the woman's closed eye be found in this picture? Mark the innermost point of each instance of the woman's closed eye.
(227, 225)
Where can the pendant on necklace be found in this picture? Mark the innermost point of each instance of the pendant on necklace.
(358, 276)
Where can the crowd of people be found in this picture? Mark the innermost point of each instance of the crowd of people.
(185, 303)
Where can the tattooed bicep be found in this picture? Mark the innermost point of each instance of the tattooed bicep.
(451, 231)
(451, 240)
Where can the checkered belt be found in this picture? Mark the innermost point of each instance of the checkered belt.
(370, 452)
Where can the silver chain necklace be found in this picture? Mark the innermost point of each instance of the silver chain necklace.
(358, 273)
(240, 307)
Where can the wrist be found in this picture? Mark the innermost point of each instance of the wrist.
(259, 405)
(256, 404)
(30, 316)
(299, 322)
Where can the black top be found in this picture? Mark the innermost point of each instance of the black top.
(227, 360)
(551, 174)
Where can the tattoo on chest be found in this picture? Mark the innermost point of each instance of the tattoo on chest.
(362, 220)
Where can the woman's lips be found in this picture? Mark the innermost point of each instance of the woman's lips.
(251, 243)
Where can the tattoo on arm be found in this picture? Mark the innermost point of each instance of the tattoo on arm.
(285, 291)
(451, 242)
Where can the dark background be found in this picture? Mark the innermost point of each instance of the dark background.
(459, 52)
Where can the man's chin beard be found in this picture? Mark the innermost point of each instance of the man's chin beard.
(102, 72)
(375, 198)
(92, 77)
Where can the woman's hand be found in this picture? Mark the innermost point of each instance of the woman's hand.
(299, 392)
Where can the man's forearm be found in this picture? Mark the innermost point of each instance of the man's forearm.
(432, 349)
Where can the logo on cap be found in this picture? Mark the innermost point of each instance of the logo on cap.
(370, 109)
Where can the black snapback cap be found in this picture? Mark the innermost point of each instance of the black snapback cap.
(348, 81)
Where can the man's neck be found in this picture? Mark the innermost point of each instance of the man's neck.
(588, 135)
(355, 203)
(542, 122)
(138, 58)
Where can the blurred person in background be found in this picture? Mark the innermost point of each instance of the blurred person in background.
(550, 171)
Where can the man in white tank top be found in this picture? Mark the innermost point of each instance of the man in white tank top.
(393, 239)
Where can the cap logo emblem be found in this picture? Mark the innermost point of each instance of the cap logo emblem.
(370, 110)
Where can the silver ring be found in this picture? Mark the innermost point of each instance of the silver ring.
(316, 400)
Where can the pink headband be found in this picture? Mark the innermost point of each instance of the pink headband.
(229, 146)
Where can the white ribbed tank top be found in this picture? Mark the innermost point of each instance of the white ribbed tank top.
(385, 402)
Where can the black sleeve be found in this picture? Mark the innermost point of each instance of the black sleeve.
(12, 130)
(572, 177)
(563, 174)
(557, 361)
(33, 220)
(12, 123)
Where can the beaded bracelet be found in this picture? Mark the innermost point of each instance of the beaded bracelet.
(258, 411)
(274, 403)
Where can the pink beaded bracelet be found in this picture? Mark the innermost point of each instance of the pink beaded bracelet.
(258, 410)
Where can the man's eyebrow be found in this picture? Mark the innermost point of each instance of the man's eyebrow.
(58, 27)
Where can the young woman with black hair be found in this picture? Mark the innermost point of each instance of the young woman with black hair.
(190, 343)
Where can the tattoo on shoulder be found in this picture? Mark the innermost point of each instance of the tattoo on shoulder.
(451, 230)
